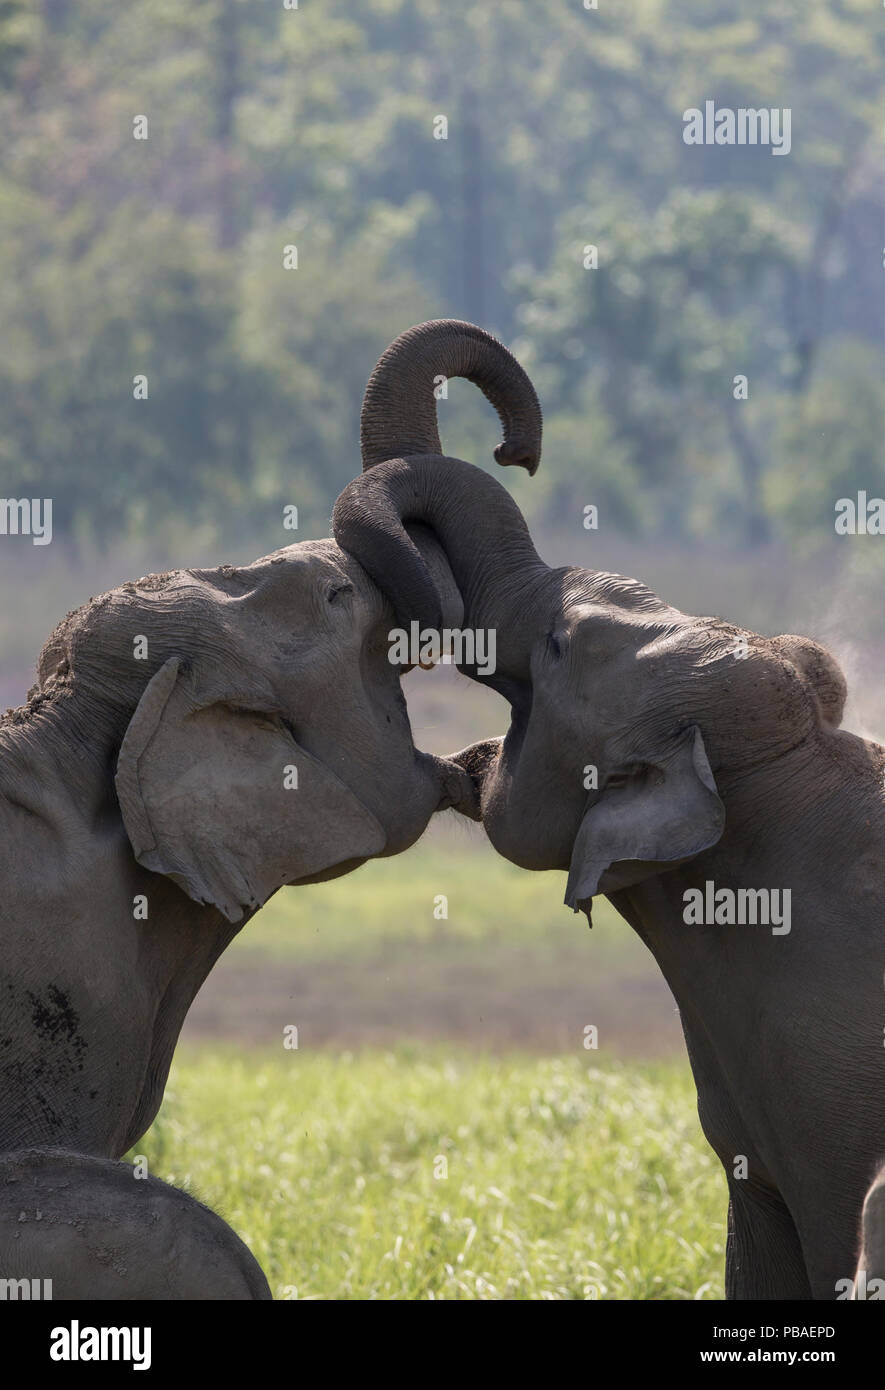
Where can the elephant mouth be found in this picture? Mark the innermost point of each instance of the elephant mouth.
(477, 760)
(459, 790)
(474, 763)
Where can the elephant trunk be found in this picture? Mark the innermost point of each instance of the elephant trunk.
(407, 479)
(485, 537)
(399, 407)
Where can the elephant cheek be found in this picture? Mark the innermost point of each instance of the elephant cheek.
(530, 819)
(407, 814)
(514, 837)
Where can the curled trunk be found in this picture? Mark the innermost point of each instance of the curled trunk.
(478, 524)
(408, 479)
(399, 408)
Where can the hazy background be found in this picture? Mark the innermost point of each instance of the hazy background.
(271, 127)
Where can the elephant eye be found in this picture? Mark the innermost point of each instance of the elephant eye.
(337, 590)
(617, 779)
(554, 646)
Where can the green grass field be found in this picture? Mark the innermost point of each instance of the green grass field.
(433, 1173)
(487, 899)
(441, 1131)
(364, 961)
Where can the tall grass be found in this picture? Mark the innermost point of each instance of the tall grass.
(421, 1174)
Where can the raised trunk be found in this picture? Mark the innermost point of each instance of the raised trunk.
(408, 480)
(399, 407)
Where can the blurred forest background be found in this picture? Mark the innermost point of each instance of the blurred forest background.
(271, 127)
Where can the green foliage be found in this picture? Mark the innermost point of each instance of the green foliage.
(270, 127)
(825, 445)
(564, 1180)
(17, 29)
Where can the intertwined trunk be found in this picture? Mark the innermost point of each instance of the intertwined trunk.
(408, 478)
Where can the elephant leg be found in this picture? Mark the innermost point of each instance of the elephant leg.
(99, 1232)
(833, 1257)
(763, 1255)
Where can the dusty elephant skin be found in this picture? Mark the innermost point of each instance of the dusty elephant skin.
(99, 1233)
(651, 754)
(196, 740)
(149, 808)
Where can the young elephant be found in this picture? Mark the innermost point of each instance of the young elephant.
(693, 772)
(94, 1230)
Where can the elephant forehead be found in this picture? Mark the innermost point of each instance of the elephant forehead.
(700, 656)
(294, 586)
(296, 569)
(599, 632)
(598, 590)
(740, 687)
(280, 604)
(695, 642)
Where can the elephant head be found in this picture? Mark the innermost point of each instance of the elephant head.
(260, 733)
(630, 720)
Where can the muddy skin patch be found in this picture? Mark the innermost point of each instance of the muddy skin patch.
(56, 1020)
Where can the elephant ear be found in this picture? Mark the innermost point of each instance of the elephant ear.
(216, 794)
(664, 812)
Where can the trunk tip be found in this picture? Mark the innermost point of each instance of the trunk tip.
(518, 453)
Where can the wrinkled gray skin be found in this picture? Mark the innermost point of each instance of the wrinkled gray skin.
(98, 1232)
(719, 758)
(144, 815)
(163, 779)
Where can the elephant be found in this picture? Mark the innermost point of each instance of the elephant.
(98, 1231)
(664, 761)
(195, 741)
